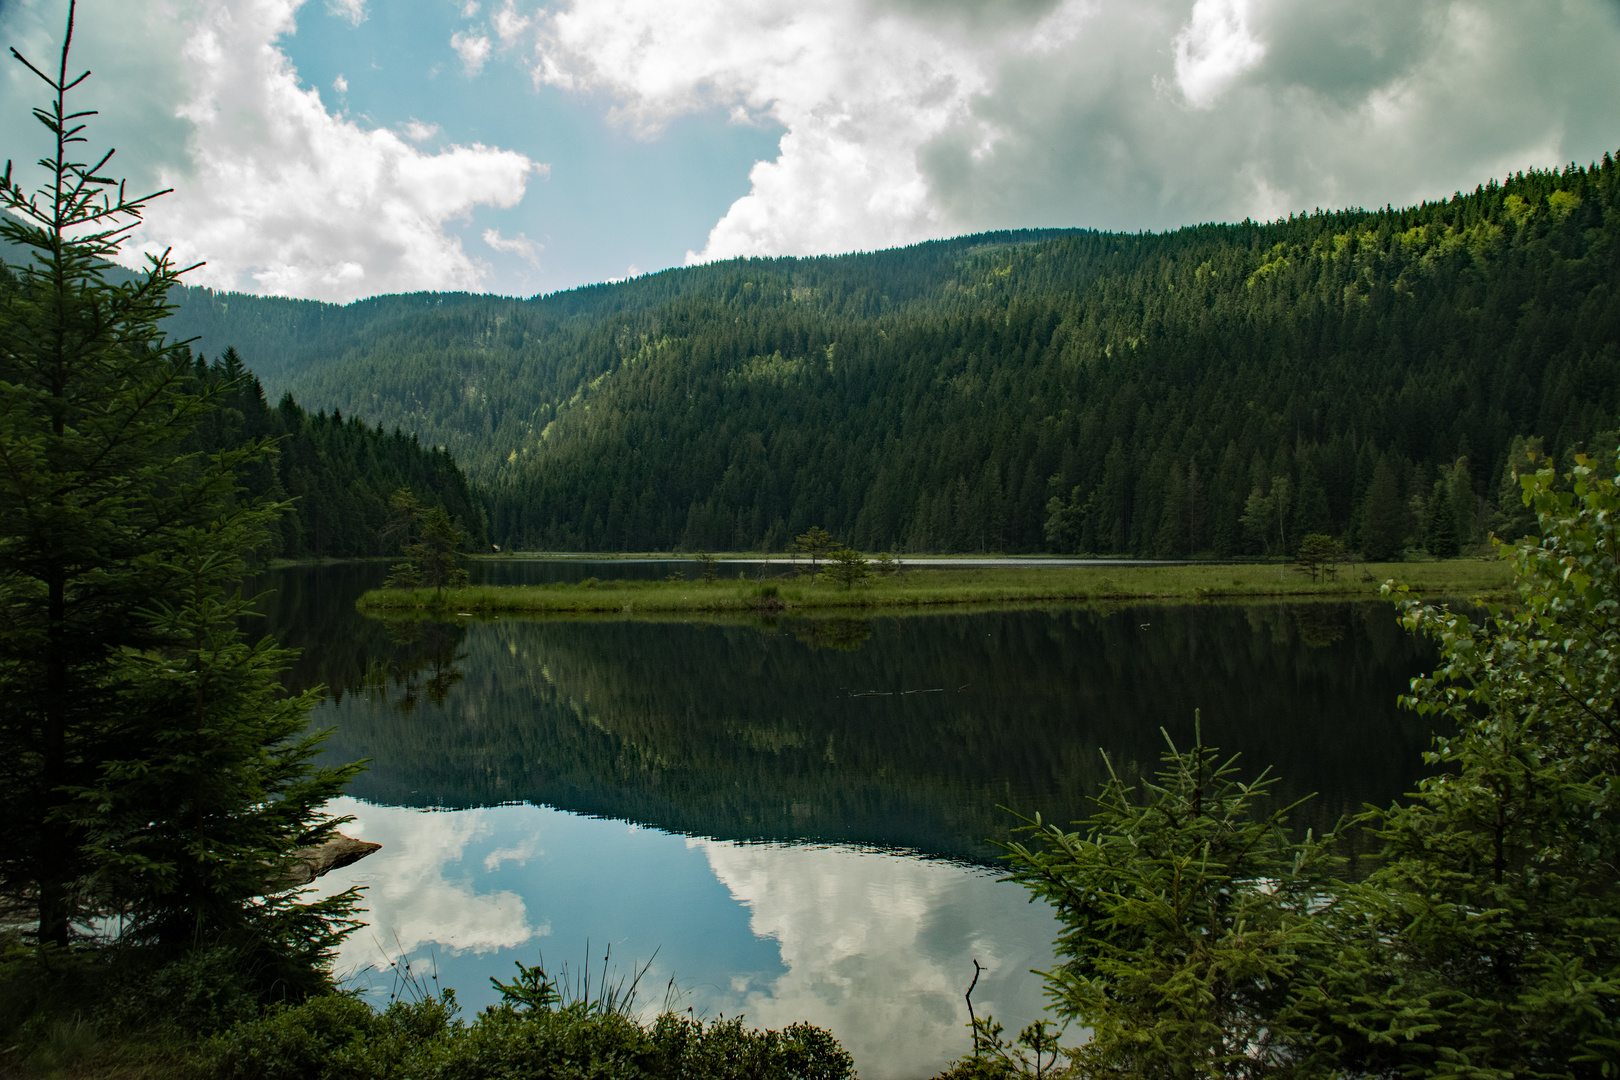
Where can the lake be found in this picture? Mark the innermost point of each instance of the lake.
(795, 819)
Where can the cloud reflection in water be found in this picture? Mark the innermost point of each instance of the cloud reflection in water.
(876, 946)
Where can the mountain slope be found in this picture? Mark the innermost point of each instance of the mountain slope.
(1222, 388)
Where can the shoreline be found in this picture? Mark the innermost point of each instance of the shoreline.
(922, 588)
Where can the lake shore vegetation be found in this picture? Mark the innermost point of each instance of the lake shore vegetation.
(1201, 939)
(919, 588)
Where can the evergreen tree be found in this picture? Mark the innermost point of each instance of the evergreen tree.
(431, 546)
(1489, 942)
(1190, 938)
(1383, 515)
(143, 761)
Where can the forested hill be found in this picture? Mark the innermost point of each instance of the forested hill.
(338, 474)
(1222, 388)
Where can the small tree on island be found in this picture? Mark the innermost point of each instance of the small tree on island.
(815, 542)
(1319, 556)
(430, 548)
(847, 566)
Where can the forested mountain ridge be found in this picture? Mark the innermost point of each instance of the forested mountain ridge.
(1221, 388)
(337, 474)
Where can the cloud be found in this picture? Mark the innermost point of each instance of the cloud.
(508, 23)
(352, 10)
(879, 947)
(905, 120)
(473, 49)
(340, 84)
(411, 896)
(417, 131)
(517, 245)
(1214, 48)
(278, 195)
(860, 94)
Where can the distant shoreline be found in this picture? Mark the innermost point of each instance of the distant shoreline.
(921, 587)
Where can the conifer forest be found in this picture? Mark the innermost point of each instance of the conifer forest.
(1219, 390)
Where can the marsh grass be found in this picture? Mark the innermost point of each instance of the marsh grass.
(922, 587)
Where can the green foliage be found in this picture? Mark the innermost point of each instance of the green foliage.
(847, 566)
(1318, 556)
(430, 547)
(1489, 942)
(709, 564)
(967, 394)
(337, 1038)
(1190, 922)
(338, 476)
(330, 1037)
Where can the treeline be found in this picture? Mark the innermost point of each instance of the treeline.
(338, 473)
(1222, 389)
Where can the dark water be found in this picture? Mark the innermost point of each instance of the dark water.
(896, 731)
(792, 811)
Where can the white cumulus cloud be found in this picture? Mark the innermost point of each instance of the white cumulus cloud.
(473, 49)
(517, 245)
(279, 195)
(860, 92)
(910, 119)
(1214, 48)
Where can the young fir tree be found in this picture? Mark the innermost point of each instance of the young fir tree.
(1192, 925)
(148, 762)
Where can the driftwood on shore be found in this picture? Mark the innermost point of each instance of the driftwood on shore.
(311, 862)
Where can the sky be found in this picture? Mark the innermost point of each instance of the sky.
(336, 149)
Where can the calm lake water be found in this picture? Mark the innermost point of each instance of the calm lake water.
(797, 815)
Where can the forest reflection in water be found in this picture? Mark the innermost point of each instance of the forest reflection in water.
(822, 793)
(897, 731)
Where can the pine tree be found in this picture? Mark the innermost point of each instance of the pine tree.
(143, 765)
(1383, 515)
(1189, 935)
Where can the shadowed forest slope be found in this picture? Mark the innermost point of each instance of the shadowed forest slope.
(1220, 389)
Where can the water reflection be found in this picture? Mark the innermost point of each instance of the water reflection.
(912, 739)
(877, 947)
(794, 783)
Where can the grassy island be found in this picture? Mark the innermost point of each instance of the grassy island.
(920, 587)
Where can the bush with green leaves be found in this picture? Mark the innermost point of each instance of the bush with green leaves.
(1488, 942)
(540, 1030)
(1199, 940)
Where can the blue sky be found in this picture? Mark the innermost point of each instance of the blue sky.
(611, 204)
(342, 148)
